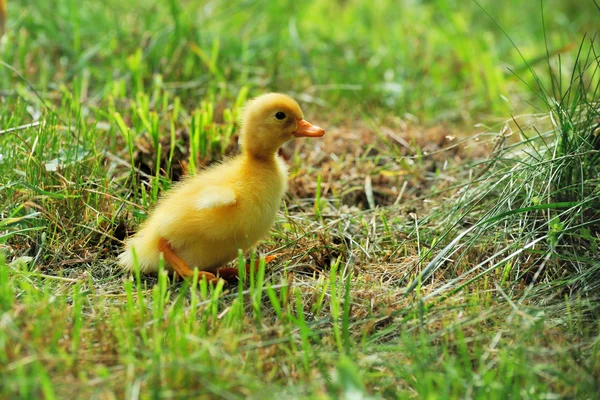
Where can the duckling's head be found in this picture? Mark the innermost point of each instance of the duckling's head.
(271, 120)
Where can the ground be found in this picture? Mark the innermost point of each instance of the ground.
(440, 241)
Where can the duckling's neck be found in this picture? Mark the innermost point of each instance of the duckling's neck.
(261, 157)
(260, 143)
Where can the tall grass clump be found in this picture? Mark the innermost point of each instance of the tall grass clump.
(530, 214)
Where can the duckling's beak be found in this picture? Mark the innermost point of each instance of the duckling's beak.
(305, 129)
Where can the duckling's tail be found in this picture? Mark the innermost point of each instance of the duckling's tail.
(141, 250)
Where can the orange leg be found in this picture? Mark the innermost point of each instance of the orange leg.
(179, 265)
(230, 273)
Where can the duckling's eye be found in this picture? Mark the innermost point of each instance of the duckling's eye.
(280, 115)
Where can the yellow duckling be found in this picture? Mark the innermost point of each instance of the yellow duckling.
(204, 220)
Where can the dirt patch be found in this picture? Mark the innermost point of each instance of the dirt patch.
(366, 167)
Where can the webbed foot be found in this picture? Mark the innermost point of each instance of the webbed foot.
(180, 266)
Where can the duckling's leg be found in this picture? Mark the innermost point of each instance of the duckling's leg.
(179, 265)
(230, 273)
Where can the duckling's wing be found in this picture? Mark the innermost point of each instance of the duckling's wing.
(215, 196)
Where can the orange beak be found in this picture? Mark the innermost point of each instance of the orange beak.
(305, 129)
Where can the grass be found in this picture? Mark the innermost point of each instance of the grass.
(440, 241)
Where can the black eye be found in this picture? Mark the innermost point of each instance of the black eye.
(280, 115)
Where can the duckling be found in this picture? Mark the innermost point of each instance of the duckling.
(205, 219)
